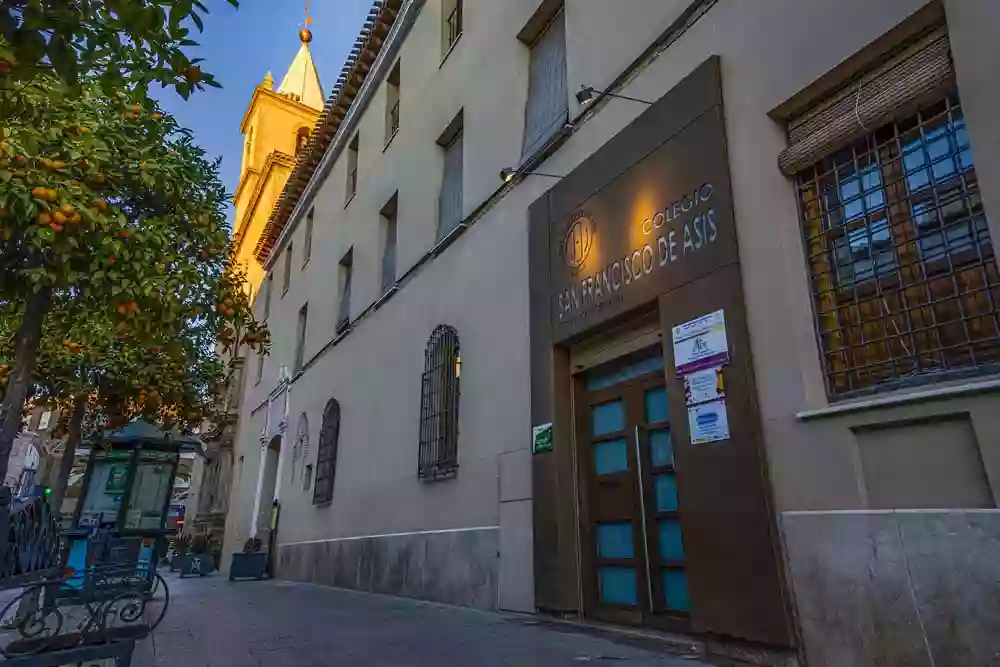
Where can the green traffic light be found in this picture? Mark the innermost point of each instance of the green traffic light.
(48, 490)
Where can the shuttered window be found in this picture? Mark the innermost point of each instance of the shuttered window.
(326, 456)
(344, 309)
(903, 275)
(450, 200)
(439, 393)
(917, 74)
(547, 108)
(300, 450)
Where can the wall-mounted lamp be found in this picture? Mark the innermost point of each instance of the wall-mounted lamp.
(507, 174)
(587, 94)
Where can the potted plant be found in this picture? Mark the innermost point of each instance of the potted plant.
(197, 560)
(179, 549)
(251, 563)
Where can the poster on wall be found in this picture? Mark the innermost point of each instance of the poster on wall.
(704, 386)
(708, 422)
(701, 343)
(117, 479)
(541, 438)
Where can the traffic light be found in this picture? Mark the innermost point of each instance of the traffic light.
(47, 491)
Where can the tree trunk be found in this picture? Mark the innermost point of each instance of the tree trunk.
(26, 343)
(69, 453)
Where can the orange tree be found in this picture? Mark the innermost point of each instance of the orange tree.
(124, 42)
(107, 204)
(103, 376)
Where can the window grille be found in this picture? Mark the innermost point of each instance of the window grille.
(326, 456)
(903, 275)
(439, 396)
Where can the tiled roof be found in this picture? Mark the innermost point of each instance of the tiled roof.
(373, 34)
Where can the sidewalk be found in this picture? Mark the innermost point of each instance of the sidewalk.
(214, 623)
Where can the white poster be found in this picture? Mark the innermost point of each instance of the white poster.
(704, 386)
(709, 422)
(701, 343)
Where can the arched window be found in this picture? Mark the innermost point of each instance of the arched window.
(301, 447)
(439, 394)
(326, 456)
(301, 140)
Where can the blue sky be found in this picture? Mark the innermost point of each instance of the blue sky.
(240, 46)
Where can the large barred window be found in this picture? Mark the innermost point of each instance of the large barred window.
(326, 455)
(903, 275)
(439, 394)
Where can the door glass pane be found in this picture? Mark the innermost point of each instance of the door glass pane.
(618, 585)
(607, 418)
(671, 545)
(611, 457)
(614, 540)
(662, 448)
(675, 590)
(666, 493)
(608, 375)
(656, 405)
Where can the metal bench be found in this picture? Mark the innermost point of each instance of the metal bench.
(54, 616)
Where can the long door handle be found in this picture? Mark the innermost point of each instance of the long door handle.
(642, 510)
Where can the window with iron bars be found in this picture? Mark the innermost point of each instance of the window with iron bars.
(439, 395)
(326, 455)
(453, 23)
(903, 274)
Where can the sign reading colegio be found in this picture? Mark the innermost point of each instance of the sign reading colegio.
(663, 222)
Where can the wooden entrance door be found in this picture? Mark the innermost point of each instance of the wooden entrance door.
(633, 549)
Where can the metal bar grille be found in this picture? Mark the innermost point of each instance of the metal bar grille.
(326, 455)
(454, 22)
(902, 268)
(438, 455)
(394, 119)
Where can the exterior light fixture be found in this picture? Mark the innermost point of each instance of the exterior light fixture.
(587, 94)
(507, 174)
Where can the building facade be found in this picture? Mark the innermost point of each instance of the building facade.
(673, 314)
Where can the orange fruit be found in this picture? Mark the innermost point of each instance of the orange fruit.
(56, 227)
(125, 233)
(111, 260)
(73, 217)
(3, 212)
(40, 193)
(51, 195)
(156, 116)
(120, 308)
(20, 160)
(66, 208)
(193, 74)
(5, 67)
(101, 205)
(136, 108)
(44, 218)
(59, 218)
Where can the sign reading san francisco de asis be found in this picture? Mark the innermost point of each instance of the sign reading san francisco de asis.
(662, 223)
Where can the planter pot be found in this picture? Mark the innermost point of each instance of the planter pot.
(175, 562)
(248, 566)
(197, 565)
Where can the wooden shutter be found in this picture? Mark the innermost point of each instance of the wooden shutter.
(547, 109)
(917, 73)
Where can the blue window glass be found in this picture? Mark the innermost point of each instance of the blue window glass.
(675, 590)
(656, 405)
(614, 540)
(618, 585)
(601, 378)
(611, 457)
(671, 544)
(665, 488)
(607, 418)
(662, 447)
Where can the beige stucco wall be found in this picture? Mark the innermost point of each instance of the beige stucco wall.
(479, 285)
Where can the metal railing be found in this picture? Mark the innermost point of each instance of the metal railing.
(454, 24)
